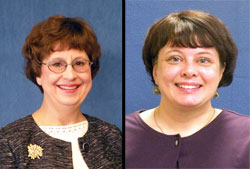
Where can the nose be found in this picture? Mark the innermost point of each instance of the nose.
(189, 70)
(69, 73)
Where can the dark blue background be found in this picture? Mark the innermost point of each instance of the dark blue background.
(20, 97)
(141, 14)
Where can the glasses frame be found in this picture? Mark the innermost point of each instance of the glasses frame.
(48, 64)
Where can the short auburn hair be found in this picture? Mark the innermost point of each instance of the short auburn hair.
(68, 33)
(191, 28)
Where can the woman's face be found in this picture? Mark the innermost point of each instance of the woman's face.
(69, 87)
(187, 77)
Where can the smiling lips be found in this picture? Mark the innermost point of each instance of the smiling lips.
(69, 88)
(188, 87)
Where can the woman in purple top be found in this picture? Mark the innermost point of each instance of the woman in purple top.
(189, 55)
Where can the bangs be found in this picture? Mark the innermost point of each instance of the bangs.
(70, 42)
(185, 33)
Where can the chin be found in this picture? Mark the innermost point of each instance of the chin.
(189, 103)
(70, 102)
(73, 99)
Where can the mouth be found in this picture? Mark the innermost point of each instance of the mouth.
(68, 87)
(188, 87)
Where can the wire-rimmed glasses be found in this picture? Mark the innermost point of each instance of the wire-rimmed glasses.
(60, 66)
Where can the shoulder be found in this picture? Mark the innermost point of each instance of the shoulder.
(134, 120)
(105, 141)
(232, 129)
(133, 116)
(234, 124)
(135, 126)
(131, 120)
(234, 118)
(14, 138)
(101, 126)
(101, 133)
(17, 128)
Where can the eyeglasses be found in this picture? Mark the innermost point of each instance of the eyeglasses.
(60, 66)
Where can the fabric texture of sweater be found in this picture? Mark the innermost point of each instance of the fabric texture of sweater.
(101, 146)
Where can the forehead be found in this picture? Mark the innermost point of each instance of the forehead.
(68, 54)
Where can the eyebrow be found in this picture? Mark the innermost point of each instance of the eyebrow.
(174, 50)
(198, 53)
(80, 57)
(63, 59)
(209, 53)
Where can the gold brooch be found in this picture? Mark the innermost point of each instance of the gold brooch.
(35, 151)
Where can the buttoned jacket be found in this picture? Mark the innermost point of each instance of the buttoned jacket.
(101, 146)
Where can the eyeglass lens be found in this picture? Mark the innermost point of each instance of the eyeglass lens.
(78, 66)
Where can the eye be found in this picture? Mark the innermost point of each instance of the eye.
(204, 60)
(80, 63)
(57, 64)
(174, 59)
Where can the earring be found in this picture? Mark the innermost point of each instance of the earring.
(216, 95)
(156, 90)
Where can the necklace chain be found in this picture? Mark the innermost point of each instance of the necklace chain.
(156, 120)
(156, 110)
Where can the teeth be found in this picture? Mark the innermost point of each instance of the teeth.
(68, 87)
(188, 86)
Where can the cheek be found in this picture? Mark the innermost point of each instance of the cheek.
(170, 73)
(47, 77)
(85, 77)
(210, 75)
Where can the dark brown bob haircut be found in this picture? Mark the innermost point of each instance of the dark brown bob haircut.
(191, 29)
(59, 33)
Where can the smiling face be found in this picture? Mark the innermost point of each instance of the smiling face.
(187, 77)
(68, 88)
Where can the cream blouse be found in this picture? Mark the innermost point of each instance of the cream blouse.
(70, 133)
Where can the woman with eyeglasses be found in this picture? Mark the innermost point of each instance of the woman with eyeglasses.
(62, 57)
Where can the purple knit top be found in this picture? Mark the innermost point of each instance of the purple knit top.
(224, 143)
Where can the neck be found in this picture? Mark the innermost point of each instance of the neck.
(52, 115)
(183, 121)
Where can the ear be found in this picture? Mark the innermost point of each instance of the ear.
(39, 81)
(155, 74)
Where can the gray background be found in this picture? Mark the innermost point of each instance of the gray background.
(141, 14)
(19, 96)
